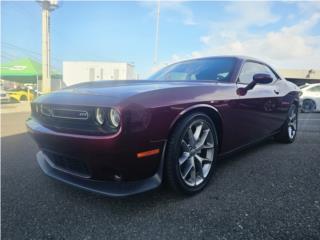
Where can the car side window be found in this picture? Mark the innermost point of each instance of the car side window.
(249, 69)
(247, 72)
(267, 70)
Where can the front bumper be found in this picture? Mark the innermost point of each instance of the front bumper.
(108, 188)
(103, 157)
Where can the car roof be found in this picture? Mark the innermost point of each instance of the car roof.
(239, 57)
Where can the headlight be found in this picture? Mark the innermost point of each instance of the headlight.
(114, 117)
(100, 116)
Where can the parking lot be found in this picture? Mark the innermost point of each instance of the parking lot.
(271, 191)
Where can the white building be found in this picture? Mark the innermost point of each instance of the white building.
(79, 71)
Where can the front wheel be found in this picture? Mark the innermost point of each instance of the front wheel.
(191, 154)
(289, 129)
(308, 106)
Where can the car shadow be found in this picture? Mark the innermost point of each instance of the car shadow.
(164, 195)
(22, 164)
(240, 154)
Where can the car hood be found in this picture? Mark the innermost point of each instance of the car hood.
(109, 92)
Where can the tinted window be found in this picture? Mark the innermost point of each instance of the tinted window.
(219, 69)
(251, 68)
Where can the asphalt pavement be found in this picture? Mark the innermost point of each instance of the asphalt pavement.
(271, 191)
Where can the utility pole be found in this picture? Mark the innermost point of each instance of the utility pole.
(47, 6)
(155, 60)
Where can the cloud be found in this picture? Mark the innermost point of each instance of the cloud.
(253, 29)
(184, 13)
(291, 46)
(308, 7)
(251, 13)
(241, 18)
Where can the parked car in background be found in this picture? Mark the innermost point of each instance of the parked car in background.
(21, 94)
(124, 137)
(310, 98)
(5, 98)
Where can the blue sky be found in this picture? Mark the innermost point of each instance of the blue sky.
(286, 34)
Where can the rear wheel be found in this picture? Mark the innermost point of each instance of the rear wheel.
(289, 129)
(308, 105)
(191, 154)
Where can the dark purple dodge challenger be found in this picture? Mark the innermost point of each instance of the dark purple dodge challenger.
(125, 137)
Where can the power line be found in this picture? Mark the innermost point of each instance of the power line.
(27, 50)
(15, 46)
(35, 55)
(4, 56)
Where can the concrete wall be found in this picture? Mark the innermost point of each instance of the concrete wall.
(77, 72)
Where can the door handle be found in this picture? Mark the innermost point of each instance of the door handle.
(276, 92)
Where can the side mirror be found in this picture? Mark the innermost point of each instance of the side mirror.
(261, 78)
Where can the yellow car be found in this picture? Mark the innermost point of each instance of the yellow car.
(20, 95)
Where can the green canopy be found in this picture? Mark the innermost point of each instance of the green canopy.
(23, 70)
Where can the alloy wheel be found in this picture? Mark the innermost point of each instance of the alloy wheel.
(293, 123)
(197, 153)
(308, 106)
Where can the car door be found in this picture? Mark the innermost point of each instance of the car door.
(260, 110)
(314, 94)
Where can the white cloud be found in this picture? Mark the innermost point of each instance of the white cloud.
(309, 7)
(291, 46)
(183, 12)
(251, 13)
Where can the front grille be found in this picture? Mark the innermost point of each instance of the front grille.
(70, 119)
(67, 164)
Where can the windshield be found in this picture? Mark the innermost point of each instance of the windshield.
(216, 69)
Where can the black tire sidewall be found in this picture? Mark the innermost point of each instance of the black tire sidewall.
(173, 170)
(308, 110)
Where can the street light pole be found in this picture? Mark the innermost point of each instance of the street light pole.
(47, 7)
(155, 60)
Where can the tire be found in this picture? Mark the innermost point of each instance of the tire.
(308, 106)
(288, 131)
(23, 98)
(199, 155)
